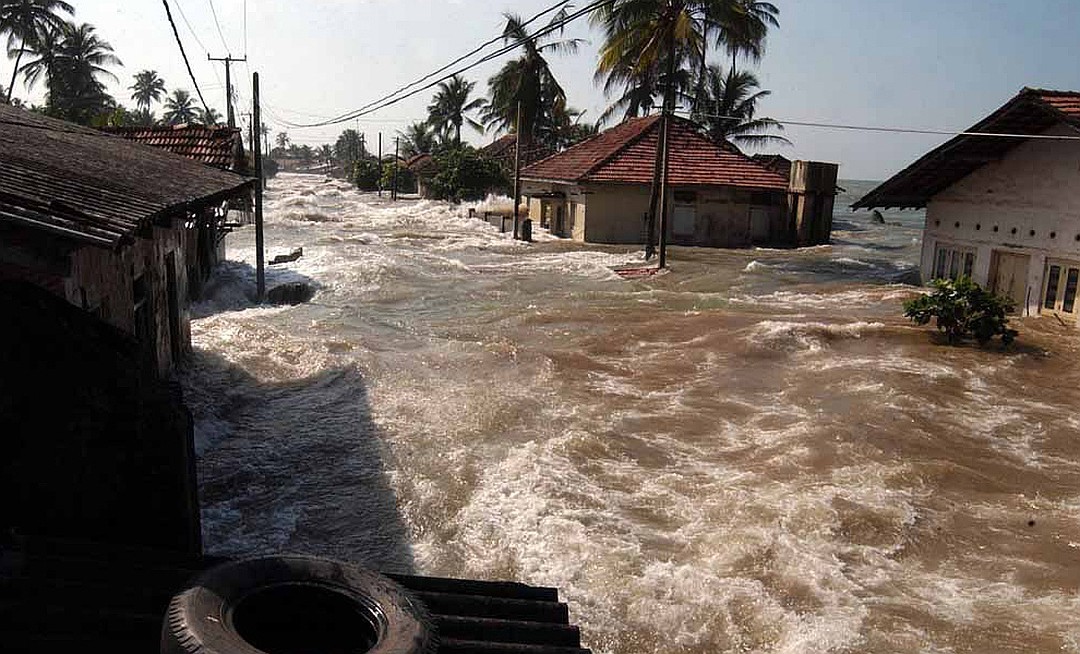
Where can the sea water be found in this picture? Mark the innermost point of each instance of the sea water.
(754, 452)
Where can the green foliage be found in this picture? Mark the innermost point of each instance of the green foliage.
(365, 174)
(464, 175)
(406, 180)
(963, 309)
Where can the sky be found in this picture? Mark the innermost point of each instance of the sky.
(929, 64)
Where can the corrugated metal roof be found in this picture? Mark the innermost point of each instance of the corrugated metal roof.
(216, 146)
(626, 154)
(1032, 111)
(92, 186)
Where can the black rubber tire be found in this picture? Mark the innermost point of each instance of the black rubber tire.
(201, 619)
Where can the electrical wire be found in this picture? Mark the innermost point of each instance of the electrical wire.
(213, 12)
(168, 12)
(389, 99)
(190, 29)
(906, 130)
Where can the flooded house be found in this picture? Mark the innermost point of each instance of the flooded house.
(121, 230)
(423, 168)
(598, 190)
(1001, 203)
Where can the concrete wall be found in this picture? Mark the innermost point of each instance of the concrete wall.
(1027, 202)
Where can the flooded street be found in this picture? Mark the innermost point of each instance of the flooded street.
(752, 453)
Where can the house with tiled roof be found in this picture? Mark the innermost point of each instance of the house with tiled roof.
(124, 231)
(1002, 203)
(598, 191)
(214, 145)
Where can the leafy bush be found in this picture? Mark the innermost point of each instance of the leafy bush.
(366, 174)
(406, 180)
(963, 309)
(464, 175)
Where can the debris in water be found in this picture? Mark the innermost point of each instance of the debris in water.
(286, 258)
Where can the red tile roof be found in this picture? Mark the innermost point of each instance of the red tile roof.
(1032, 111)
(626, 153)
(216, 146)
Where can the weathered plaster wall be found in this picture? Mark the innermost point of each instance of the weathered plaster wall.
(1027, 202)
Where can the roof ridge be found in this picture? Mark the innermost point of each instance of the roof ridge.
(581, 144)
(654, 118)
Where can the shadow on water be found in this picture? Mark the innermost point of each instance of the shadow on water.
(293, 466)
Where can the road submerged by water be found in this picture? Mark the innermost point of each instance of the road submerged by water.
(753, 453)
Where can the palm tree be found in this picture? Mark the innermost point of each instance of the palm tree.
(208, 116)
(148, 87)
(729, 109)
(179, 108)
(143, 117)
(527, 82)
(417, 138)
(23, 21)
(447, 110)
(282, 140)
(742, 30)
(326, 154)
(71, 59)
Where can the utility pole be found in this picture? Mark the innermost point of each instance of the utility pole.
(517, 169)
(260, 272)
(393, 190)
(380, 164)
(669, 108)
(228, 59)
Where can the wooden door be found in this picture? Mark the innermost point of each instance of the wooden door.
(1008, 276)
(1060, 286)
(759, 225)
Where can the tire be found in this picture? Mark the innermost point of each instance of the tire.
(291, 604)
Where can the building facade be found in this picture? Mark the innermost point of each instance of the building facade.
(1003, 210)
(598, 191)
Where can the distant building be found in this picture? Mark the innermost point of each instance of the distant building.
(1001, 209)
(598, 191)
(119, 229)
(424, 169)
(503, 151)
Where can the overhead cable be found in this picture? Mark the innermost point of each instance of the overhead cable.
(183, 54)
(389, 100)
(904, 130)
(213, 12)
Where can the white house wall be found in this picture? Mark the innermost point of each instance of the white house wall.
(1028, 202)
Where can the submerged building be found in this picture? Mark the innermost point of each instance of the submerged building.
(598, 190)
(1001, 203)
(121, 230)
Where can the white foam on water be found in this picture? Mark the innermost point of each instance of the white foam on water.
(807, 336)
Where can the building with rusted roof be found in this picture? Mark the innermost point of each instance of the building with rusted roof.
(598, 190)
(122, 230)
(503, 151)
(1002, 202)
(214, 145)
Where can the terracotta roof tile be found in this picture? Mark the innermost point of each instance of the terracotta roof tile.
(214, 146)
(626, 153)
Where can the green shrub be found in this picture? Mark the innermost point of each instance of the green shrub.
(464, 175)
(406, 180)
(365, 174)
(962, 310)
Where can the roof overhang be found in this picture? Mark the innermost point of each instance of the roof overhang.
(1030, 113)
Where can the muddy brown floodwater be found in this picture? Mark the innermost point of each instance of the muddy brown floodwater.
(753, 453)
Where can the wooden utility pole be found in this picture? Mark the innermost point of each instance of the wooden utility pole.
(260, 272)
(228, 85)
(393, 189)
(517, 169)
(663, 147)
(380, 164)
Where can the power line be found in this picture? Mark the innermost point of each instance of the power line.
(245, 29)
(389, 100)
(905, 130)
(183, 54)
(213, 12)
(190, 29)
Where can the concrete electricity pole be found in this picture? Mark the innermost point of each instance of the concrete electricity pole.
(517, 169)
(260, 271)
(231, 117)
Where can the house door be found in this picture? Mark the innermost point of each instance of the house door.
(1059, 288)
(759, 225)
(683, 220)
(559, 220)
(1008, 276)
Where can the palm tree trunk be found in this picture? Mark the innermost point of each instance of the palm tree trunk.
(700, 90)
(14, 73)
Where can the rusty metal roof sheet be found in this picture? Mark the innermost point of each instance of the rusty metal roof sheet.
(95, 187)
(626, 153)
(1032, 111)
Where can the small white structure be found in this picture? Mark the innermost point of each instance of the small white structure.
(1004, 210)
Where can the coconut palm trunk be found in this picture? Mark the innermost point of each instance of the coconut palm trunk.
(14, 73)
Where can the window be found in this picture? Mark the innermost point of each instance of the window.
(951, 262)
(1059, 291)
